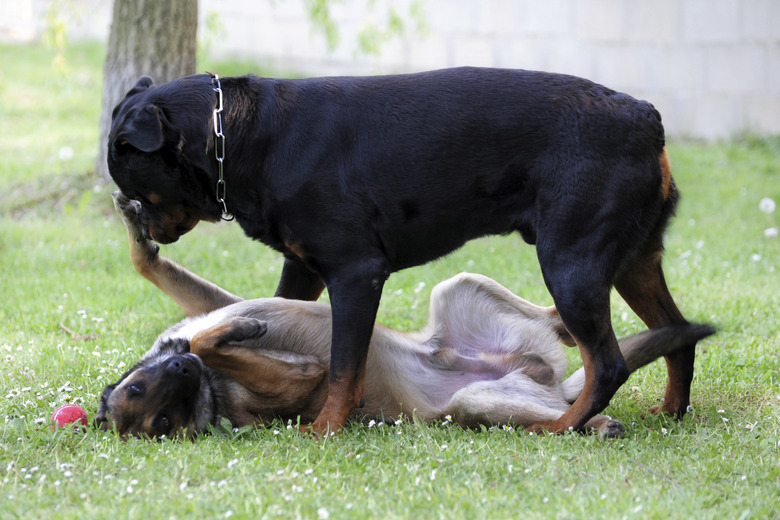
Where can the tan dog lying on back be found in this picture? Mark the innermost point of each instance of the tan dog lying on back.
(486, 357)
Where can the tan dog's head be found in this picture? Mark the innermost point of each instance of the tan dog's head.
(165, 394)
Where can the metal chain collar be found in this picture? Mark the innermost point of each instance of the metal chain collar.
(219, 147)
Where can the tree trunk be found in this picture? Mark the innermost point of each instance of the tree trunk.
(153, 37)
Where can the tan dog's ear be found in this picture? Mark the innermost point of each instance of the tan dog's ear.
(101, 417)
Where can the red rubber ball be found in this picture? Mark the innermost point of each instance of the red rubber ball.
(70, 414)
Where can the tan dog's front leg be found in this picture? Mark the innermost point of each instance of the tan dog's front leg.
(231, 347)
(193, 294)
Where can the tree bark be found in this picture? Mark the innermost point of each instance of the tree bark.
(153, 37)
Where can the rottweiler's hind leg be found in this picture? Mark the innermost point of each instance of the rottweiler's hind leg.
(578, 278)
(643, 287)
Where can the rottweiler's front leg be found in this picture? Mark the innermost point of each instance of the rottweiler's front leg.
(298, 282)
(354, 294)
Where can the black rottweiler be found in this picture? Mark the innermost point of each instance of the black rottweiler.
(354, 178)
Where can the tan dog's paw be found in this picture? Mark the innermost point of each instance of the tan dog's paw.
(611, 429)
(142, 250)
(130, 212)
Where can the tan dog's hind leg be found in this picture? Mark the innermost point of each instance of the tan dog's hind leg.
(193, 294)
(518, 401)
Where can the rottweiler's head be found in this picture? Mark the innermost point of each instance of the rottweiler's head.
(165, 394)
(158, 153)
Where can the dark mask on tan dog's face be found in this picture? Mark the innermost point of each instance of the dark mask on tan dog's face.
(163, 395)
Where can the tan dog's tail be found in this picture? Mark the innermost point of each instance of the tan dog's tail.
(643, 348)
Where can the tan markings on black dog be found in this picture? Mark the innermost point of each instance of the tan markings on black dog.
(666, 173)
(486, 357)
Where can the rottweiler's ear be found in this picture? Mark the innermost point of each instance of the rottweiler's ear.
(143, 83)
(143, 129)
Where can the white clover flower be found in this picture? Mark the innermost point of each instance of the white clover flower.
(322, 513)
(767, 205)
(770, 232)
(65, 153)
(755, 257)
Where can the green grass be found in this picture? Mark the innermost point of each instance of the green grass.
(64, 265)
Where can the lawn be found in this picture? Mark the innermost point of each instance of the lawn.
(74, 315)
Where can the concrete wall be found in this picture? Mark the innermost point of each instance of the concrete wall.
(712, 67)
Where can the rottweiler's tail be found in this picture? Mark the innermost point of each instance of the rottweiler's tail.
(645, 347)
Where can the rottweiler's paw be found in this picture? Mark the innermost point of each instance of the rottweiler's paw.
(661, 410)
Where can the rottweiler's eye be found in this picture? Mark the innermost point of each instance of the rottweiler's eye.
(136, 389)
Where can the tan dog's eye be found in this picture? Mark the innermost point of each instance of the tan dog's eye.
(163, 425)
